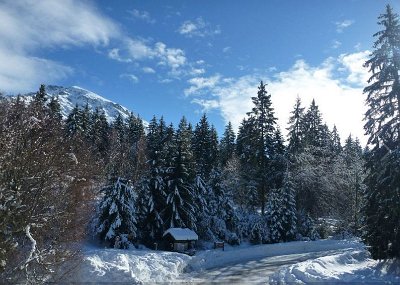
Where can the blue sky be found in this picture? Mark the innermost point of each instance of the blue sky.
(177, 58)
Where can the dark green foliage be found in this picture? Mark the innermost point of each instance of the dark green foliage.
(382, 218)
(55, 108)
(256, 146)
(296, 129)
(204, 144)
(40, 97)
(227, 145)
(180, 208)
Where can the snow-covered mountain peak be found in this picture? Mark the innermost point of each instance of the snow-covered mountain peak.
(69, 97)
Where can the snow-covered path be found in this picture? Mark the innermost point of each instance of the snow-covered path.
(297, 262)
(256, 263)
(252, 271)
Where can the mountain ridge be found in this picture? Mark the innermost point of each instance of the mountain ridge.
(69, 97)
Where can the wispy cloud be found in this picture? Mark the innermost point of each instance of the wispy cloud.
(28, 25)
(147, 69)
(199, 84)
(336, 44)
(226, 49)
(198, 28)
(142, 15)
(131, 77)
(334, 93)
(340, 26)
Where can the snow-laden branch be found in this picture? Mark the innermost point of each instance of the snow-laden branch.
(32, 253)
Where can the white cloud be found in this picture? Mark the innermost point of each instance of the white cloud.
(28, 25)
(340, 26)
(226, 49)
(131, 77)
(114, 54)
(142, 15)
(353, 64)
(134, 50)
(336, 44)
(335, 84)
(200, 83)
(173, 57)
(139, 49)
(206, 104)
(199, 28)
(25, 74)
(197, 71)
(148, 70)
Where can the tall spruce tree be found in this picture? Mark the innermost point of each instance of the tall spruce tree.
(382, 215)
(295, 128)
(202, 145)
(180, 208)
(312, 126)
(263, 122)
(227, 144)
(153, 190)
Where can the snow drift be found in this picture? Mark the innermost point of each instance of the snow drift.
(355, 266)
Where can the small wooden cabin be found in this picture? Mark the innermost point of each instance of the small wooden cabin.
(180, 240)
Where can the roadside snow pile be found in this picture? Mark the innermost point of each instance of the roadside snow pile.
(216, 258)
(354, 266)
(133, 266)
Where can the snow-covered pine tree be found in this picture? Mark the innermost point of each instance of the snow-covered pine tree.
(117, 210)
(180, 209)
(263, 122)
(295, 129)
(120, 128)
(382, 215)
(227, 145)
(153, 187)
(306, 227)
(99, 134)
(348, 172)
(73, 123)
(336, 145)
(245, 149)
(136, 138)
(202, 145)
(40, 97)
(312, 126)
(222, 214)
(275, 215)
(289, 204)
(55, 109)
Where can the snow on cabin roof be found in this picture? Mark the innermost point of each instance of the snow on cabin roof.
(182, 234)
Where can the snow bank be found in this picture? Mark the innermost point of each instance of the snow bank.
(216, 258)
(133, 266)
(354, 266)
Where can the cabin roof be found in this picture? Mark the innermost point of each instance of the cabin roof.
(181, 234)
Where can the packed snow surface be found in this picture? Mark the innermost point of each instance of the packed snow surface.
(332, 261)
(353, 266)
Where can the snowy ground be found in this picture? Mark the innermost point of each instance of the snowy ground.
(286, 263)
(353, 267)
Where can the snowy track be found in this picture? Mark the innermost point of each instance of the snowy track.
(252, 271)
(300, 262)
